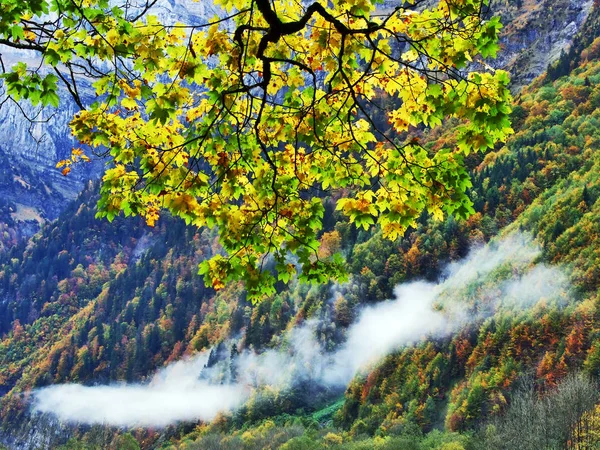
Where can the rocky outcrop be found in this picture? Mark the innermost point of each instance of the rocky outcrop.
(535, 34)
(32, 189)
(30, 151)
(32, 141)
(36, 431)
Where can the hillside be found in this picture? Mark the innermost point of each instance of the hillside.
(507, 297)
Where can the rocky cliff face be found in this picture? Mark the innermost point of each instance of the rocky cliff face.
(535, 33)
(32, 141)
(38, 431)
(32, 190)
(31, 149)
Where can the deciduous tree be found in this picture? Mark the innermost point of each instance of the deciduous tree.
(246, 121)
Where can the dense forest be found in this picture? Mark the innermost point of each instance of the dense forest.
(92, 302)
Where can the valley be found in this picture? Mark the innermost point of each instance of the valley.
(460, 334)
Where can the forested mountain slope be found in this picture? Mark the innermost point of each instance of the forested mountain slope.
(91, 302)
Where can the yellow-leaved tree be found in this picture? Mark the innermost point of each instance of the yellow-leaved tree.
(247, 121)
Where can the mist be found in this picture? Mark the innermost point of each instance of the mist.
(175, 394)
(501, 275)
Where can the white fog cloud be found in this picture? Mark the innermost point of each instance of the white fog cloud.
(175, 394)
(418, 311)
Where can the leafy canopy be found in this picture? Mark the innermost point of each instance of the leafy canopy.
(246, 122)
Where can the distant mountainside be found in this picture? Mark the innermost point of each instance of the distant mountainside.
(36, 191)
(535, 34)
(33, 140)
